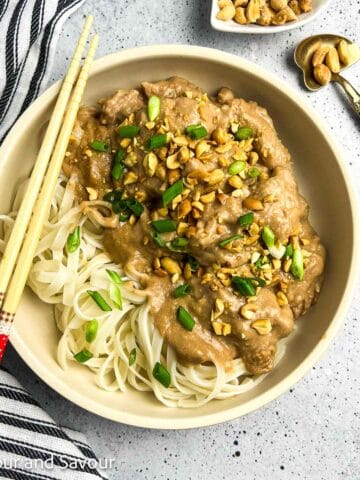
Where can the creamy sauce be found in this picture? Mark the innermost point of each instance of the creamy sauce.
(130, 244)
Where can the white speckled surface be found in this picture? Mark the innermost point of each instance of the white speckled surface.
(312, 432)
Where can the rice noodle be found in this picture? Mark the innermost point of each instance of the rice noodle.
(63, 280)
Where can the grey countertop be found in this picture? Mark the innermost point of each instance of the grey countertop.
(311, 432)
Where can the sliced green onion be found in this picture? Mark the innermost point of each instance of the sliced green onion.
(117, 171)
(158, 240)
(153, 107)
(115, 295)
(91, 330)
(185, 319)
(289, 250)
(297, 264)
(112, 196)
(118, 206)
(243, 133)
(228, 240)
(128, 131)
(163, 226)
(196, 131)
(194, 264)
(247, 286)
(135, 206)
(182, 291)
(120, 155)
(115, 277)
(132, 357)
(73, 241)
(179, 243)
(246, 219)
(125, 207)
(124, 216)
(99, 300)
(172, 192)
(268, 237)
(115, 292)
(83, 356)
(99, 146)
(253, 172)
(236, 167)
(157, 141)
(161, 375)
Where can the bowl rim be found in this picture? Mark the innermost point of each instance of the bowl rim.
(29, 356)
(232, 27)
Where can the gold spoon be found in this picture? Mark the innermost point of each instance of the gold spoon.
(303, 59)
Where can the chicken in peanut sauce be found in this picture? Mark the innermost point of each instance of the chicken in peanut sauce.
(201, 207)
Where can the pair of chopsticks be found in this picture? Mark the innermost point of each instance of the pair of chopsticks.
(21, 247)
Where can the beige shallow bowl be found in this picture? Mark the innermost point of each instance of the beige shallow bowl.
(322, 180)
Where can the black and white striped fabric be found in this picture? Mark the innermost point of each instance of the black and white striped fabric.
(33, 447)
(29, 30)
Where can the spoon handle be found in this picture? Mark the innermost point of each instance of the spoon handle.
(352, 94)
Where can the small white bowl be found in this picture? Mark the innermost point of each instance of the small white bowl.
(233, 27)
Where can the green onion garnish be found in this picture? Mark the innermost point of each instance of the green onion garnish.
(161, 375)
(135, 206)
(117, 171)
(115, 292)
(120, 155)
(247, 286)
(153, 107)
(91, 330)
(185, 319)
(99, 146)
(259, 263)
(196, 131)
(243, 133)
(83, 356)
(112, 196)
(253, 172)
(268, 237)
(118, 206)
(115, 277)
(99, 300)
(289, 250)
(246, 219)
(132, 357)
(236, 167)
(124, 216)
(182, 291)
(158, 240)
(157, 141)
(194, 264)
(163, 226)
(228, 240)
(178, 244)
(115, 295)
(125, 207)
(128, 131)
(297, 264)
(172, 192)
(73, 241)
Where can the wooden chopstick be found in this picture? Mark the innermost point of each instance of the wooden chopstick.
(23, 217)
(18, 280)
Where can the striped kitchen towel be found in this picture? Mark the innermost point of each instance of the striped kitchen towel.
(29, 30)
(33, 447)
